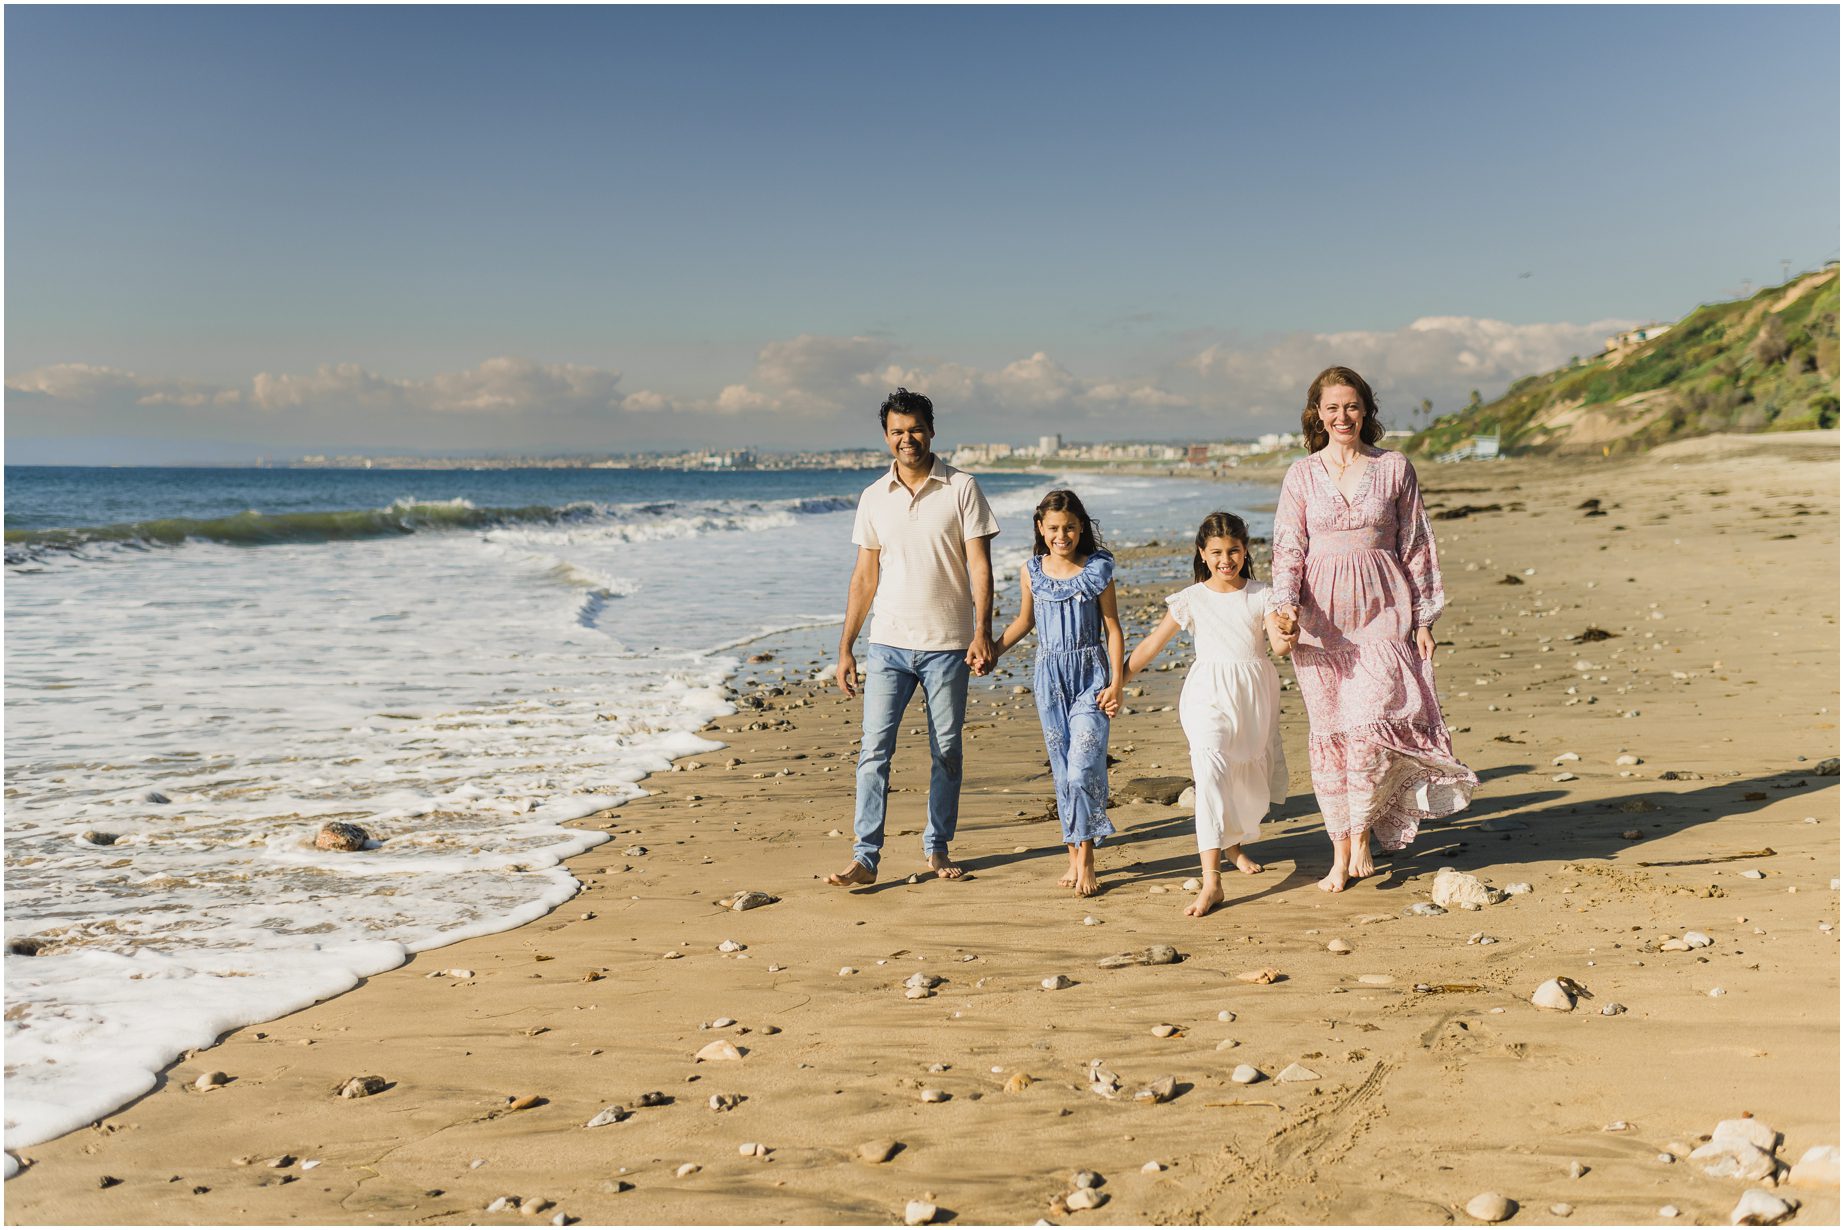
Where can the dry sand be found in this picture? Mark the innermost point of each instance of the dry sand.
(1717, 568)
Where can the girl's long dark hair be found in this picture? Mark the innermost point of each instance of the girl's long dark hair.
(1087, 543)
(1222, 525)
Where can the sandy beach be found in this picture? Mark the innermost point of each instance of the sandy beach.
(1713, 564)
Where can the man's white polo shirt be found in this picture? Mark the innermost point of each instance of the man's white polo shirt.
(924, 599)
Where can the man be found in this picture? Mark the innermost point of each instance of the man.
(924, 574)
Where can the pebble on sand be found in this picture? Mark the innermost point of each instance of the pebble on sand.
(1245, 1074)
(608, 1115)
(1152, 1168)
(1018, 1082)
(211, 1080)
(1816, 1167)
(1261, 977)
(1457, 888)
(1340, 947)
(1376, 980)
(689, 1168)
(721, 1102)
(918, 1213)
(360, 1086)
(934, 1095)
(748, 899)
(1162, 1090)
(1084, 1198)
(1759, 1207)
(1577, 1170)
(1297, 1072)
(731, 946)
(1668, 1211)
(1226, 1015)
(877, 1152)
(1057, 983)
(1553, 996)
(721, 1049)
(1490, 1207)
(752, 1149)
(1562, 1209)
(1164, 1031)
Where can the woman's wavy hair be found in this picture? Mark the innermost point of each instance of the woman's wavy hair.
(1222, 525)
(1087, 543)
(1316, 435)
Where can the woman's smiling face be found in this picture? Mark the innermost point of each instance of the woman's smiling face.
(1341, 411)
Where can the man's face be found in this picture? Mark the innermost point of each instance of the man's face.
(909, 438)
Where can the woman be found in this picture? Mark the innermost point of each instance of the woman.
(1356, 590)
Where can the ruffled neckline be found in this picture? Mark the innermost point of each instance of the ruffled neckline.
(1094, 577)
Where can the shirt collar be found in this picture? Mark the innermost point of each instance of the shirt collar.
(937, 473)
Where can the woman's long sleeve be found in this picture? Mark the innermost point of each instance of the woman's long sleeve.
(1415, 548)
(1289, 564)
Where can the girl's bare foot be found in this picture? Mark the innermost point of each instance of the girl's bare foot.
(1209, 897)
(1071, 873)
(1084, 871)
(1246, 865)
(1336, 879)
(944, 867)
(852, 877)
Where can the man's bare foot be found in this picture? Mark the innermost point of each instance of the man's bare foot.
(1336, 879)
(854, 876)
(1209, 897)
(944, 867)
(1246, 865)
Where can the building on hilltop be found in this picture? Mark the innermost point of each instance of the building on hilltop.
(1635, 337)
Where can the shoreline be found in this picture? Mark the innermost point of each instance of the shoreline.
(455, 1049)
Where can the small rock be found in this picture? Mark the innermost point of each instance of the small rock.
(1340, 947)
(1553, 996)
(1091, 921)
(1058, 983)
(845, 970)
(934, 1095)
(1562, 1209)
(1732, 1158)
(1226, 1015)
(671, 956)
(339, 835)
(1717, 992)
(1082, 1180)
(1668, 1211)
(1673, 945)
(923, 981)
(918, 1213)
(1565, 758)
(1562, 777)
(534, 1206)
(1152, 1168)
(360, 1086)
(503, 1204)
(1517, 890)
(1162, 1090)
(748, 900)
(731, 946)
(1164, 1031)
(652, 1098)
(721, 1049)
(1376, 980)
(1294, 1072)
(155, 797)
(1749, 1130)
(689, 1168)
(1245, 1074)
(877, 1152)
(1158, 954)
(101, 839)
(1228, 1044)
(1816, 1167)
(211, 1080)
(1627, 760)
(1426, 909)
(1754, 874)
(1192, 885)
(1018, 1082)
(1084, 1198)
(1759, 1207)
(524, 1102)
(1490, 1207)
(918, 993)
(1577, 1170)
(1261, 977)
(1696, 939)
(608, 1115)
(752, 1149)
(721, 1102)
(1457, 888)
(1612, 1009)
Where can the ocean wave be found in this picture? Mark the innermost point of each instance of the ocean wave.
(405, 516)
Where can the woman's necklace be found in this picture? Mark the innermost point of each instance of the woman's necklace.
(1342, 465)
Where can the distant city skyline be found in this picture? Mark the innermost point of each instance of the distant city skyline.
(240, 231)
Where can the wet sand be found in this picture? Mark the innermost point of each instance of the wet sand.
(1716, 569)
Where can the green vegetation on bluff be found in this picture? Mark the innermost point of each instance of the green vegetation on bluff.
(1765, 363)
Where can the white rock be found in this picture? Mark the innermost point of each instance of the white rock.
(1489, 1207)
(1627, 760)
(503, 1204)
(925, 981)
(1057, 983)
(752, 1149)
(1669, 1210)
(1696, 939)
(1187, 798)
(917, 993)
(1245, 1074)
(1340, 947)
(1577, 1170)
(1084, 1178)
(689, 1168)
(731, 946)
(934, 1095)
(1084, 1198)
(211, 1080)
(1552, 996)
(1152, 1168)
(1749, 1131)
(1562, 777)
(1376, 980)
(723, 1022)
(1816, 1167)
(846, 969)
(1754, 874)
(721, 1049)
(1565, 758)
(1192, 885)
(918, 1213)
(1562, 1209)
(1226, 1015)
(1295, 1072)
(1733, 1159)
(1717, 992)
(1759, 1207)
(1457, 888)
(1517, 890)
(1091, 921)
(607, 1115)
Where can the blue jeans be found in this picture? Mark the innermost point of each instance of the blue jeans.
(890, 679)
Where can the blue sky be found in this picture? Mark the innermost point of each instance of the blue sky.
(241, 229)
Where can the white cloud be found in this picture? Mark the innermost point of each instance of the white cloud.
(1438, 357)
(497, 386)
(94, 384)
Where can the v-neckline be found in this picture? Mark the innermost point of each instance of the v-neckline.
(1363, 483)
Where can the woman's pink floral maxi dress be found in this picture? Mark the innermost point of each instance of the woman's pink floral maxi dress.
(1364, 576)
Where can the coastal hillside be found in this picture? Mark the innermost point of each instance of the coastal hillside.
(1765, 363)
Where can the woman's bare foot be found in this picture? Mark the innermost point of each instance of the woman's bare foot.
(1361, 864)
(1209, 897)
(854, 876)
(1084, 871)
(1246, 865)
(1070, 873)
(1336, 879)
(944, 867)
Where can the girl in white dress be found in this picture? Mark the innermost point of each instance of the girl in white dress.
(1230, 706)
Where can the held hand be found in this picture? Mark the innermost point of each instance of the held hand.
(846, 675)
(1424, 643)
(1287, 619)
(980, 656)
(1108, 700)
